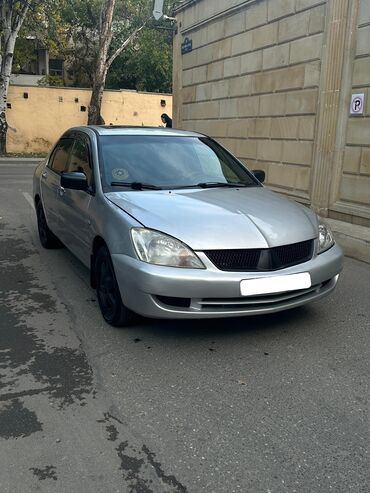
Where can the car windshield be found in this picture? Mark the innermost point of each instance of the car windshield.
(143, 162)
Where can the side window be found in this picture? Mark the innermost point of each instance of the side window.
(59, 160)
(80, 160)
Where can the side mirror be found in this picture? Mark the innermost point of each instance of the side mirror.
(259, 174)
(74, 181)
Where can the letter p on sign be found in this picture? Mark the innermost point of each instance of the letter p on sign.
(357, 104)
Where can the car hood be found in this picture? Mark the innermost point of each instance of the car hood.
(221, 218)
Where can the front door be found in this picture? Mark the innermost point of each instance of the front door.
(75, 204)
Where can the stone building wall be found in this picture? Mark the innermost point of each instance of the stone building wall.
(354, 196)
(272, 80)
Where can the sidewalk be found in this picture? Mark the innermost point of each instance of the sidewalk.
(14, 161)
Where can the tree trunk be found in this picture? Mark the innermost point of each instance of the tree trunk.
(11, 20)
(94, 114)
(6, 69)
(100, 74)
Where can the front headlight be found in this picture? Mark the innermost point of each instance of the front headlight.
(326, 239)
(157, 248)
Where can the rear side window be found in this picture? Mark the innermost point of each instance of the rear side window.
(60, 157)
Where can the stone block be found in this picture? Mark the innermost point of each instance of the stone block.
(293, 27)
(280, 8)
(214, 128)
(312, 74)
(256, 15)
(365, 162)
(351, 159)
(203, 92)
(221, 49)
(361, 72)
(204, 55)
(269, 150)
(234, 24)
(285, 128)
(263, 128)
(241, 86)
(232, 66)
(229, 108)
(189, 60)
(229, 144)
(246, 148)
(289, 78)
(243, 128)
(248, 106)
(302, 102)
(215, 31)
(306, 4)
(199, 37)
(297, 152)
(364, 12)
(251, 62)
(187, 77)
(363, 41)
(241, 43)
(306, 129)
(358, 131)
(215, 70)
(355, 189)
(305, 49)
(290, 176)
(263, 82)
(276, 56)
(220, 89)
(265, 36)
(201, 111)
(189, 94)
(317, 20)
(199, 74)
(272, 104)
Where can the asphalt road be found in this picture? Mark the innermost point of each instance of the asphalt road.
(267, 404)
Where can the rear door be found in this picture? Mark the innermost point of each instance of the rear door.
(50, 183)
(75, 204)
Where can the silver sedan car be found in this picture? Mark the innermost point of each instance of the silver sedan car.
(171, 225)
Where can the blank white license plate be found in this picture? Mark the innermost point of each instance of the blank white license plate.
(276, 284)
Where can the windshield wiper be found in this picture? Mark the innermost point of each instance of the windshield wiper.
(135, 185)
(216, 184)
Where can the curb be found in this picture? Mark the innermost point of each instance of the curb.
(20, 159)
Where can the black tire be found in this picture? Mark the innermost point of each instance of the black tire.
(47, 237)
(109, 297)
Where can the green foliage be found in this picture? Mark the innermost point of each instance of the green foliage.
(51, 80)
(69, 29)
(146, 65)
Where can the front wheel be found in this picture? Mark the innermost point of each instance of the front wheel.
(109, 296)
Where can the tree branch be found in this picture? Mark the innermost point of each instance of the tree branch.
(124, 44)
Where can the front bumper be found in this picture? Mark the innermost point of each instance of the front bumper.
(213, 293)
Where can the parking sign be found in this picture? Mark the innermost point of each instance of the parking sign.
(357, 104)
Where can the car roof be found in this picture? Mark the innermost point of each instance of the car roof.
(130, 130)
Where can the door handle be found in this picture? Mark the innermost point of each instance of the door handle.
(61, 191)
(44, 174)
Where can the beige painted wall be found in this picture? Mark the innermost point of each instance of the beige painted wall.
(37, 122)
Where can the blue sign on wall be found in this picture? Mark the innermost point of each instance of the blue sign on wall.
(187, 46)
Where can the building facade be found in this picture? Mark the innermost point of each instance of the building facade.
(285, 85)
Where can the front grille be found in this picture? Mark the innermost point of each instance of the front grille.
(264, 259)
